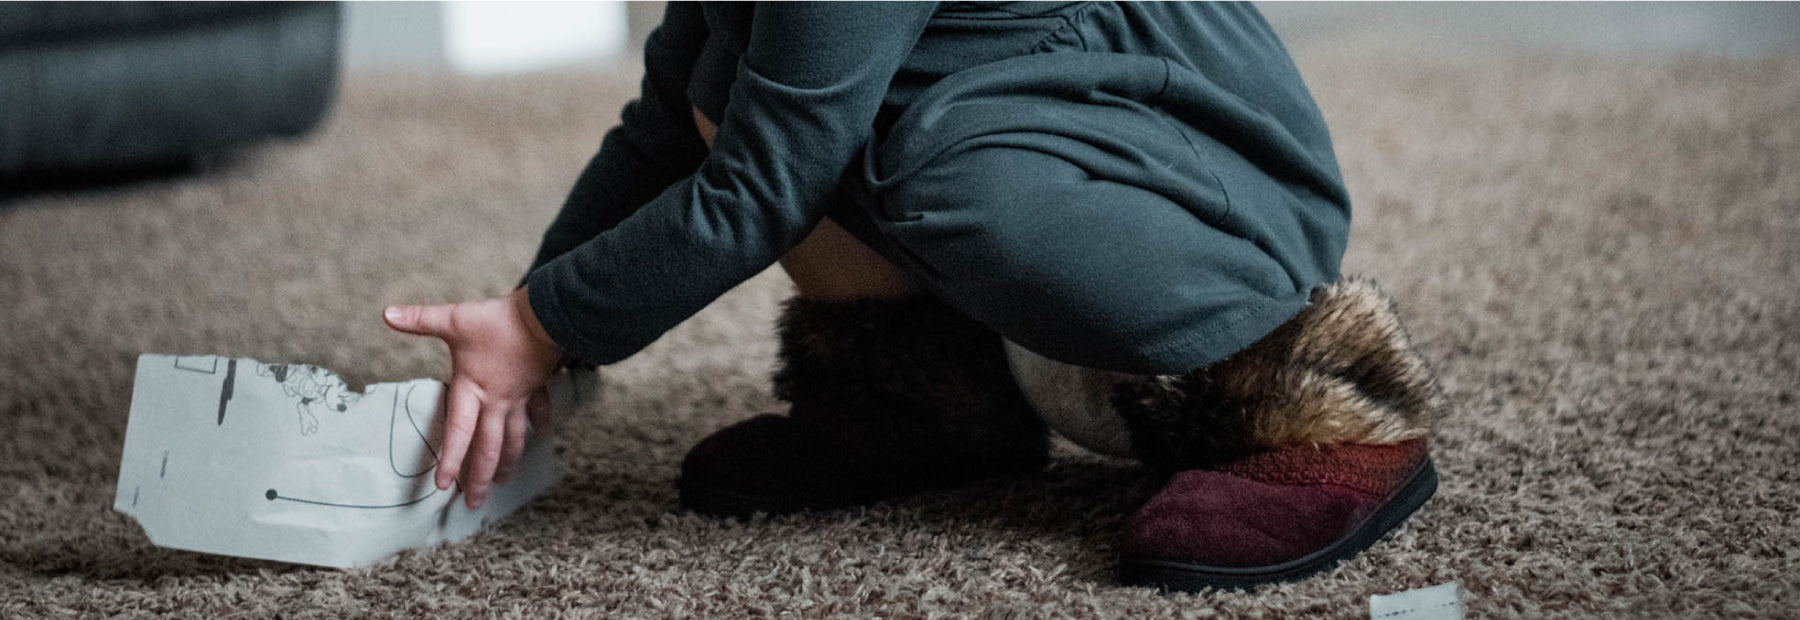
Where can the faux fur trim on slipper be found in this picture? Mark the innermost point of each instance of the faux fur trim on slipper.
(1342, 370)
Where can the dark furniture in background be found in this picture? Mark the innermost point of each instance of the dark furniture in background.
(88, 88)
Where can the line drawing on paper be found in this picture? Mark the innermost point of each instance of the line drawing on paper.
(402, 406)
(191, 363)
(404, 403)
(317, 391)
(225, 391)
(272, 496)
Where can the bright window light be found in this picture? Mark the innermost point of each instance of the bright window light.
(490, 38)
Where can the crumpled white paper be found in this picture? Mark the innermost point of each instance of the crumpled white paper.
(1439, 602)
(285, 462)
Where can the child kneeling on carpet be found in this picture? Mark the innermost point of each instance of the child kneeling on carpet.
(1125, 219)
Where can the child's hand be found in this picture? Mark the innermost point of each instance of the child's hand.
(500, 357)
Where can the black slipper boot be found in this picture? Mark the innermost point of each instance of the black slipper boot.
(889, 398)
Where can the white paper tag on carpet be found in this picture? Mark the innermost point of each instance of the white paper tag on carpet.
(285, 462)
(1440, 602)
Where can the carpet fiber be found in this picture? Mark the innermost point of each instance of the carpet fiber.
(1599, 254)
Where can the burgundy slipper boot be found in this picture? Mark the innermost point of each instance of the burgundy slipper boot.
(1289, 456)
(888, 398)
(1274, 516)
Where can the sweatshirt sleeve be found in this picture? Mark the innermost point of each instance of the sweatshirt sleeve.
(654, 145)
(803, 103)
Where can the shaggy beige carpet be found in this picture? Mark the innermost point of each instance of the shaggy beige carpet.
(1600, 254)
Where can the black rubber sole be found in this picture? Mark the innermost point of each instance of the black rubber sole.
(1175, 576)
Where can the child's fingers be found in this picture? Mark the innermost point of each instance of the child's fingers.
(538, 409)
(459, 428)
(484, 453)
(420, 320)
(514, 447)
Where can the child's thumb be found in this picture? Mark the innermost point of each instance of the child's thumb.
(419, 320)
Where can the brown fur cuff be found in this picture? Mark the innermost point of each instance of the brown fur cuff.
(1342, 370)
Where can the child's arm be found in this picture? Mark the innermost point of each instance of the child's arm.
(802, 106)
(497, 349)
(804, 102)
(653, 146)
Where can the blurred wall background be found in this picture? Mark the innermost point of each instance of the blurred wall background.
(489, 38)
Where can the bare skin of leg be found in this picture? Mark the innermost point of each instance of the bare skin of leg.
(831, 264)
